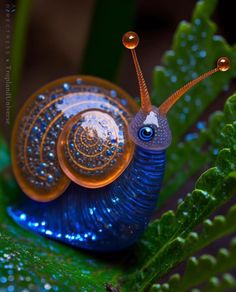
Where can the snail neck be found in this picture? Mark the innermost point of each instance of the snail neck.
(148, 166)
(149, 153)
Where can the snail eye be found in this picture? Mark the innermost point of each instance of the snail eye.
(146, 133)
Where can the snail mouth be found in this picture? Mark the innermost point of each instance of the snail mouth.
(94, 148)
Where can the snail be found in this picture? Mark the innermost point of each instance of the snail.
(89, 161)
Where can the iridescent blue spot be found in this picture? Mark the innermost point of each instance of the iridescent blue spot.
(53, 96)
(77, 154)
(94, 237)
(41, 172)
(191, 136)
(29, 150)
(173, 78)
(66, 86)
(51, 155)
(48, 232)
(40, 97)
(201, 125)
(35, 129)
(3, 280)
(197, 21)
(72, 145)
(190, 37)
(113, 93)
(202, 54)
(23, 217)
(123, 101)
(50, 178)
(215, 151)
(187, 97)
(60, 101)
(59, 235)
(194, 48)
(108, 152)
(217, 38)
(47, 116)
(43, 223)
(79, 81)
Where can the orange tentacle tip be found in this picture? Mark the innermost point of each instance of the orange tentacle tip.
(130, 40)
(223, 64)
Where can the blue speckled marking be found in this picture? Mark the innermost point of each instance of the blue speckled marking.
(107, 219)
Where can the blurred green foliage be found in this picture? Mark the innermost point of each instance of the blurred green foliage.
(29, 261)
(18, 48)
(103, 52)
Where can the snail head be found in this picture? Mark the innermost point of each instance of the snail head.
(149, 128)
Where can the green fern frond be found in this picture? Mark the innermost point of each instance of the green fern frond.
(190, 55)
(226, 282)
(199, 270)
(189, 156)
(195, 49)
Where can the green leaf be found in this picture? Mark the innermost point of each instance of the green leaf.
(221, 284)
(195, 50)
(110, 21)
(188, 157)
(181, 64)
(199, 270)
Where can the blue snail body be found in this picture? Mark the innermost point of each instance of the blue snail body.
(91, 163)
(106, 219)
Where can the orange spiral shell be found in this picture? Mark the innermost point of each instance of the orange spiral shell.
(74, 128)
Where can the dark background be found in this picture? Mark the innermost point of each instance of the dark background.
(58, 32)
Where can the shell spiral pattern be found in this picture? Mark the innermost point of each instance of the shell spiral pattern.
(74, 128)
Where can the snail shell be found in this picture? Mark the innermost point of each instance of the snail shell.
(72, 129)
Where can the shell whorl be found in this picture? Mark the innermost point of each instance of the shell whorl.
(94, 148)
(74, 128)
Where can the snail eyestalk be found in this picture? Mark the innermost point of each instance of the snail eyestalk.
(223, 64)
(130, 41)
